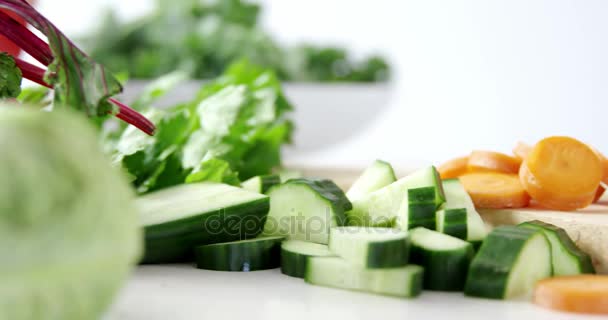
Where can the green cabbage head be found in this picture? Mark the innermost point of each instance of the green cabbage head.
(69, 235)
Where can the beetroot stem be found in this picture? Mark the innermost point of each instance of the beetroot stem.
(125, 112)
(25, 39)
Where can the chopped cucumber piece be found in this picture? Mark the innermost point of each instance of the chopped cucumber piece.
(445, 259)
(381, 207)
(567, 258)
(417, 209)
(246, 255)
(338, 273)
(177, 219)
(476, 244)
(305, 209)
(368, 247)
(458, 198)
(376, 176)
(261, 184)
(452, 222)
(294, 254)
(288, 174)
(509, 263)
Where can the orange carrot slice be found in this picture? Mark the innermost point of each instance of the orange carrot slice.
(561, 173)
(600, 190)
(599, 193)
(488, 161)
(522, 150)
(604, 164)
(580, 294)
(453, 168)
(493, 190)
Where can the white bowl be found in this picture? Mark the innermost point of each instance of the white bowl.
(324, 115)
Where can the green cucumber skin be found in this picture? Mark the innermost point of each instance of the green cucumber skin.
(489, 271)
(414, 290)
(388, 254)
(458, 198)
(293, 264)
(439, 194)
(422, 207)
(584, 260)
(476, 244)
(392, 174)
(262, 254)
(174, 241)
(443, 270)
(455, 223)
(359, 188)
(366, 211)
(328, 190)
(417, 284)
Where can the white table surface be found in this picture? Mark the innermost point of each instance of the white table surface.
(182, 292)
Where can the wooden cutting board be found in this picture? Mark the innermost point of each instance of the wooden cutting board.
(587, 227)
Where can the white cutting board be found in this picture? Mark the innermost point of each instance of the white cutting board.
(182, 292)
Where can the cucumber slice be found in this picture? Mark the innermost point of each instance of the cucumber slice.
(305, 209)
(458, 198)
(376, 176)
(368, 247)
(567, 258)
(509, 263)
(246, 255)
(338, 273)
(445, 259)
(177, 219)
(261, 184)
(452, 222)
(288, 174)
(417, 209)
(381, 207)
(294, 254)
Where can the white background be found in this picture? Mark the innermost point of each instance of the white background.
(469, 74)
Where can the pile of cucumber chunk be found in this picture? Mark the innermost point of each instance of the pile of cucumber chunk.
(385, 235)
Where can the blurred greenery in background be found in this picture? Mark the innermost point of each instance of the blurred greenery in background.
(204, 37)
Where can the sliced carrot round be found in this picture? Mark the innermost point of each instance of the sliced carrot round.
(493, 190)
(599, 193)
(453, 168)
(522, 150)
(600, 190)
(561, 173)
(604, 165)
(580, 294)
(489, 161)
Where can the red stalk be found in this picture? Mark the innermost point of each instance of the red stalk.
(125, 113)
(32, 72)
(25, 39)
(40, 50)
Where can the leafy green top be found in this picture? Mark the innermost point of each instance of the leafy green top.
(203, 37)
(231, 131)
(10, 77)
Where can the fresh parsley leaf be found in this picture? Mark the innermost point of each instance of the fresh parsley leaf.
(232, 130)
(214, 170)
(204, 37)
(10, 77)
